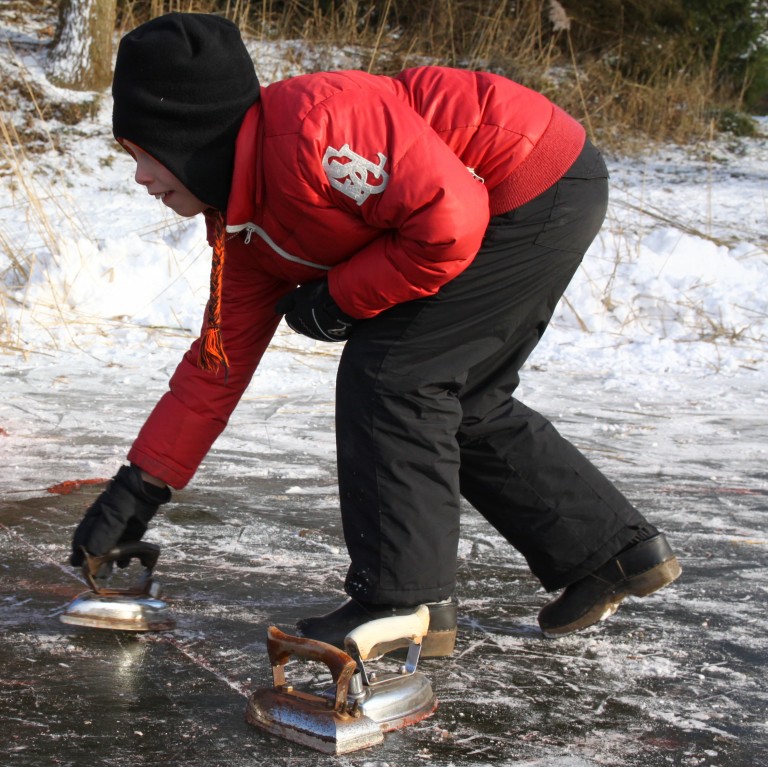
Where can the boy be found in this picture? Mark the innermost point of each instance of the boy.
(431, 221)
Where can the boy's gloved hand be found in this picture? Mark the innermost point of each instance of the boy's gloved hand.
(311, 311)
(121, 513)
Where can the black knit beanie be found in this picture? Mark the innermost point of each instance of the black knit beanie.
(183, 83)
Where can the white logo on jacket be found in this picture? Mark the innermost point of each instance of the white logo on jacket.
(348, 172)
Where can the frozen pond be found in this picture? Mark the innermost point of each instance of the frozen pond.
(676, 679)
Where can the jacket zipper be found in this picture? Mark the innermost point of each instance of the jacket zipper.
(250, 229)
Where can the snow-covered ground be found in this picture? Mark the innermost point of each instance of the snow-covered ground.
(654, 365)
(674, 282)
(96, 273)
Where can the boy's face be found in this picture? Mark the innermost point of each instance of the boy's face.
(162, 184)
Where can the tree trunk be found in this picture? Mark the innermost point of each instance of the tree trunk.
(81, 52)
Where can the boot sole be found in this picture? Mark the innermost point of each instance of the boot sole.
(438, 644)
(640, 585)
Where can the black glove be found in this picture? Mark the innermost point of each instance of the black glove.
(311, 311)
(120, 514)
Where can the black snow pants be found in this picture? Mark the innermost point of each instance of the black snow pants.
(425, 415)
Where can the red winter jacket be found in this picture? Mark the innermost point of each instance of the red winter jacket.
(384, 185)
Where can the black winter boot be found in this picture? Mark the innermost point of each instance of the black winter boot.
(333, 627)
(640, 570)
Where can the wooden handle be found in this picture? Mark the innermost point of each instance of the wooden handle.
(386, 634)
(146, 553)
(281, 647)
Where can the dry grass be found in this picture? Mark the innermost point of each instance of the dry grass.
(528, 40)
(531, 41)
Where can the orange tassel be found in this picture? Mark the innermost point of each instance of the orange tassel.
(70, 485)
(212, 355)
